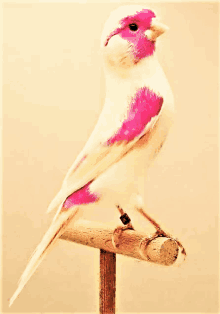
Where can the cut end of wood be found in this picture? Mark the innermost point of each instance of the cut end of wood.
(161, 250)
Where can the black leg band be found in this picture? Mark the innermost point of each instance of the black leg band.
(125, 219)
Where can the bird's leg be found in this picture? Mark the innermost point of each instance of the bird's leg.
(118, 231)
(159, 232)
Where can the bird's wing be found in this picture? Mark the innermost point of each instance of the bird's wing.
(105, 154)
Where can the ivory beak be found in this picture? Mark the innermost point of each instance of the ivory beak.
(156, 29)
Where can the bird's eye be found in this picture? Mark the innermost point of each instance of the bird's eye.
(133, 27)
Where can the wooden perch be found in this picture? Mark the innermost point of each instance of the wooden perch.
(160, 250)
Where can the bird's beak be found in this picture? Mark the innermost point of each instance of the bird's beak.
(156, 29)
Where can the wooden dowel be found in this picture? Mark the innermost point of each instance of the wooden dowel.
(161, 250)
(107, 282)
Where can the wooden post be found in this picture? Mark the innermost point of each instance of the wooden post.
(107, 282)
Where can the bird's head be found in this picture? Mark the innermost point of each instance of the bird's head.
(129, 36)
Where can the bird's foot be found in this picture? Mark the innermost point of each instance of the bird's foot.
(117, 233)
(125, 219)
(159, 232)
(183, 251)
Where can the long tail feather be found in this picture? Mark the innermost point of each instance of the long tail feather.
(55, 230)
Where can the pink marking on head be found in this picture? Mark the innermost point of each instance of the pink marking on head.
(143, 17)
(142, 46)
(144, 106)
(80, 197)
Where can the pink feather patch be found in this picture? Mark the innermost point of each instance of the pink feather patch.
(144, 106)
(80, 197)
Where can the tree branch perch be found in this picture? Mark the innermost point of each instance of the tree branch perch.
(160, 250)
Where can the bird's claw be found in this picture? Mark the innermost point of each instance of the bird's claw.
(161, 233)
(117, 234)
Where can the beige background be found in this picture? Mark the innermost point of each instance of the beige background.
(52, 96)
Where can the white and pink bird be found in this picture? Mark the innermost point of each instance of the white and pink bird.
(132, 127)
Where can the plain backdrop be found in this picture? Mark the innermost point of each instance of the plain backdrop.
(53, 90)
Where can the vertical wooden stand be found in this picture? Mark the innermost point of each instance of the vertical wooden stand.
(107, 282)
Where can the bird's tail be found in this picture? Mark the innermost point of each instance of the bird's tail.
(54, 232)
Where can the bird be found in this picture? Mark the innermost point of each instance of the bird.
(136, 117)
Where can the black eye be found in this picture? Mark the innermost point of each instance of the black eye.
(133, 27)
